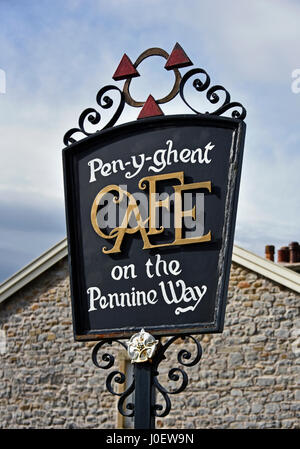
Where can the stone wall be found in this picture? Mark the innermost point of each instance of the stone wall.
(248, 376)
(46, 379)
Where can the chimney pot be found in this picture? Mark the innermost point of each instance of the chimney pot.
(294, 252)
(283, 254)
(269, 252)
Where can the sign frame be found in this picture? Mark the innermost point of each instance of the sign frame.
(238, 128)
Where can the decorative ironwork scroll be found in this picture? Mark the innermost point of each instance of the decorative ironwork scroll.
(176, 374)
(94, 116)
(114, 376)
(184, 358)
(215, 95)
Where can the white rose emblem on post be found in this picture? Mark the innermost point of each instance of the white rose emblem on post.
(141, 347)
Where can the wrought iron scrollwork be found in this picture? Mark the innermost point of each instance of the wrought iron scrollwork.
(212, 95)
(178, 374)
(115, 376)
(94, 117)
(215, 95)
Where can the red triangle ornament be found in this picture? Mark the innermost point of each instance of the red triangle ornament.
(178, 58)
(125, 69)
(150, 109)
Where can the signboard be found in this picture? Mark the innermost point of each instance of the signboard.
(151, 208)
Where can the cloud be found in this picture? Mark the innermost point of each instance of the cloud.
(29, 225)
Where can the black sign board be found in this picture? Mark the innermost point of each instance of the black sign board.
(151, 208)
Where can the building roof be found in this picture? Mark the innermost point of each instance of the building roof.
(33, 269)
(271, 270)
(277, 273)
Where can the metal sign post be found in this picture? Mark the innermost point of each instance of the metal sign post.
(151, 208)
(144, 397)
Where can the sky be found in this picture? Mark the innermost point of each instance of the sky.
(54, 57)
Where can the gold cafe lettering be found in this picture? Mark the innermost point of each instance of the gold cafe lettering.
(133, 211)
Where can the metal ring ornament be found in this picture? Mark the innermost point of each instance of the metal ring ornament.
(146, 54)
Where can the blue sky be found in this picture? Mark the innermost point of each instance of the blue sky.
(56, 56)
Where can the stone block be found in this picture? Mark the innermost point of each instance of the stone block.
(235, 359)
(265, 381)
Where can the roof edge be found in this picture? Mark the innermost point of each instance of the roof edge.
(267, 268)
(33, 269)
(245, 258)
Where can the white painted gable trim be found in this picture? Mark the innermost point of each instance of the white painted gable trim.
(33, 270)
(270, 270)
